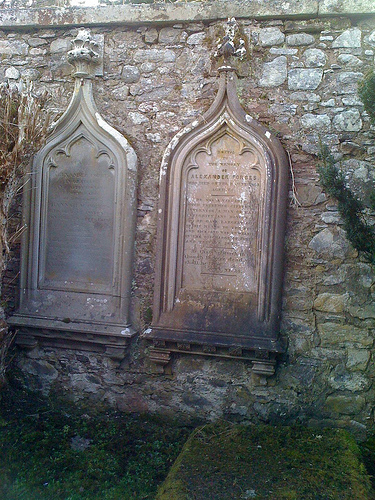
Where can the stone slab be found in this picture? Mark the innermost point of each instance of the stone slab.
(166, 13)
(346, 7)
(222, 209)
(159, 13)
(259, 461)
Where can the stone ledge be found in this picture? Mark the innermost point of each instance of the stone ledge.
(346, 7)
(169, 13)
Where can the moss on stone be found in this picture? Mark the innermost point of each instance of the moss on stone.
(221, 461)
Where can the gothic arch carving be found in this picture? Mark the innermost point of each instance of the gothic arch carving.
(79, 208)
(223, 192)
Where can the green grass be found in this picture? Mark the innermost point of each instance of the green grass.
(127, 456)
(223, 461)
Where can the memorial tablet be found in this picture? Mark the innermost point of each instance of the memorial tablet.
(79, 209)
(224, 184)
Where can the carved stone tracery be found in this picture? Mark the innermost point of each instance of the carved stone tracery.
(79, 207)
(223, 193)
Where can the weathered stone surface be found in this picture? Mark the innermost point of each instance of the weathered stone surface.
(30, 74)
(12, 73)
(36, 42)
(314, 58)
(87, 383)
(349, 61)
(357, 359)
(121, 92)
(169, 35)
(281, 51)
(353, 382)
(271, 36)
(346, 405)
(196, 38)
(38, 52)
(137, 118)
(349, 77)
(334, 334)
(154, 55)
(330, 242)
(41, 374)
(331, 217)
(330, 302)
(364, 312)
(348, 121)
(360, 177)
(162, 13)
(356, 276)
(317, 122)
(346, 7)
(352, 100)
(130, 74)
(308, 194)
(304, 79)
(298, 39)
(349, 38)
(274, 73)
(323, 353)
(42, 369)
(284, 109)
(357, 169)
(371, 38)
(151, 35)
(60, 46)
(13, 48)
(148, 67)
(305, 96)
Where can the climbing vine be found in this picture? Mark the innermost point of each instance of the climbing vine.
(366, 91)
(359, 231)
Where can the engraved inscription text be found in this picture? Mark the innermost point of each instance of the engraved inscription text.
(223, 199)
(80, 219)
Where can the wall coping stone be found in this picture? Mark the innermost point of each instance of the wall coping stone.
(170, 13)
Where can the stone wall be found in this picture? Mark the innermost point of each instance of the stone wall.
(299, 79)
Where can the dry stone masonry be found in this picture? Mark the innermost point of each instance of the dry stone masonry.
(299, 80)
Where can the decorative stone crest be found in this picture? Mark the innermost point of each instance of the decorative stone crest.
(79, 208)
(228, 47)
(84, 53)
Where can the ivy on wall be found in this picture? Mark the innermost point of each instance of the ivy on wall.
(359, 231)
(366, 92)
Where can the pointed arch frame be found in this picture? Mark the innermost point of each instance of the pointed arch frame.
(224, 116)
(111, 331)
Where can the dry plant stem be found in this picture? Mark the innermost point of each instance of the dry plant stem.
(23, 129)
(6, 340)
(294, 201)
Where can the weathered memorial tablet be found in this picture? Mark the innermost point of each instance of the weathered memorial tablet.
(223, 194)
(79, 207)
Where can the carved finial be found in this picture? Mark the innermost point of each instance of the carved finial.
(83, 55)
(229, 46)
